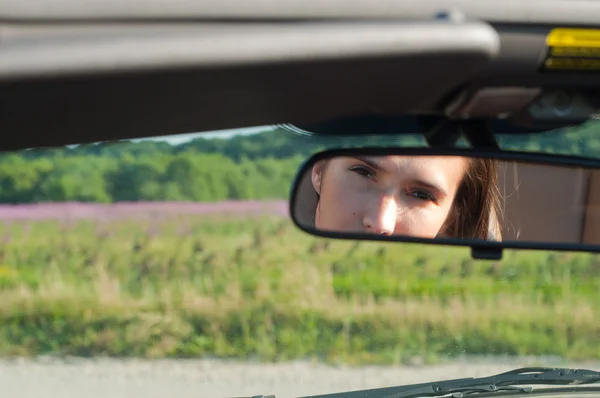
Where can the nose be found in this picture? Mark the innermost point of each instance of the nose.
(381, 218)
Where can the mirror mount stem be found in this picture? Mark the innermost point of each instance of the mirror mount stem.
(442, 133)
(479, 135)
(445, 133)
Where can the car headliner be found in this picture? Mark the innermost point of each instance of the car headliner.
(74, 72)
(506, 11)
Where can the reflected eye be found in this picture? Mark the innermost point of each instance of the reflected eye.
(422, 195)
(363, 171)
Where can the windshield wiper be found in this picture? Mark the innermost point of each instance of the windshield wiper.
(515, 380)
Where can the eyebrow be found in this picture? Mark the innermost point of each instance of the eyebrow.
(420, 182)
(370, 162)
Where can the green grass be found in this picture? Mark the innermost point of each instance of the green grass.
(258, 288)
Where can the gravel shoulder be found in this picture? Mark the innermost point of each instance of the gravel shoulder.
(95, 378)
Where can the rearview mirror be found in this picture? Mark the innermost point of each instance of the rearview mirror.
(488, 201)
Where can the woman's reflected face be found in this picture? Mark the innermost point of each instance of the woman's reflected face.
(401, 195)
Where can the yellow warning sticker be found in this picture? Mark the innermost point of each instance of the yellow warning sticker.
(572, 50)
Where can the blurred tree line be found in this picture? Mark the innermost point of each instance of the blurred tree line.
(149, 177)
(258, 166)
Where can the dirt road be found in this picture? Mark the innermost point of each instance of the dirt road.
(95, 378)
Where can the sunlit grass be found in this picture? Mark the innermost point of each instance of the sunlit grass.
(257, 287)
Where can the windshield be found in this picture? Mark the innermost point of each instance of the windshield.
(170, 266)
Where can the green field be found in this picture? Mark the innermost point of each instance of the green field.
(259, 288)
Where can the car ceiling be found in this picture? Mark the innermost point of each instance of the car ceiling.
(504, 11)
(75, 72)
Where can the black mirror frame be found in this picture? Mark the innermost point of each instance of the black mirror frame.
(480, 249)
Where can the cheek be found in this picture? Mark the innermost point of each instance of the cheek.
(340, 207)
(423, 223)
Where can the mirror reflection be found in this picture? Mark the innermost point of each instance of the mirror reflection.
(450, 197)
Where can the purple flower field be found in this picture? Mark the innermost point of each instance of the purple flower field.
(94, 211)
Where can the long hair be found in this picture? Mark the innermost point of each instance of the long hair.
(476, 209)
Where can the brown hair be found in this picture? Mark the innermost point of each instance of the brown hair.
(475, 212)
